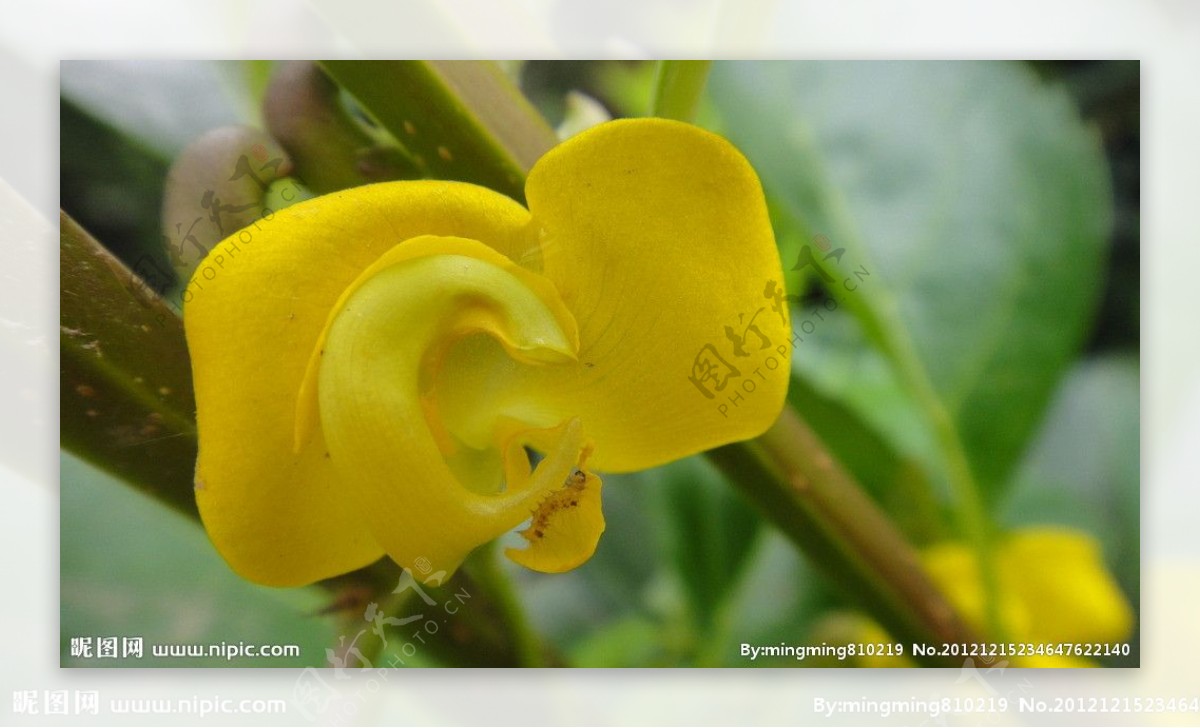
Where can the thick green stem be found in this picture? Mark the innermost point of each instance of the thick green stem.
(678, 89)
(484, 568)
(790, 474)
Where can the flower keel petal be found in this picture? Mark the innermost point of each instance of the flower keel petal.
(565, 527)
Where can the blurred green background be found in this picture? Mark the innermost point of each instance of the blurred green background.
(956, 180)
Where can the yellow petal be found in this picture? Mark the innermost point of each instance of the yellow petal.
(254, 311)
(1060, 574)
(565, 527)
(376, 399)
(656, 235)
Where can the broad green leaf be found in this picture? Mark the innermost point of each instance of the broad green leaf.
(460, 120)
(975, 198)
(125, 378)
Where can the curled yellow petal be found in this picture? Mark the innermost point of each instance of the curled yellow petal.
(376, 399)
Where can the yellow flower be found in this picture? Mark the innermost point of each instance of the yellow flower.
(372, 365)
(1054, 588)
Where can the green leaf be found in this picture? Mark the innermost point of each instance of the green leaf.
(711, 532)
(978, 204)
(125, 378)
(461, 120)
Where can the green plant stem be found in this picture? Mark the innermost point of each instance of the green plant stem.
(790, 474)
(972, 513)
(678, 89)
(485, 569)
